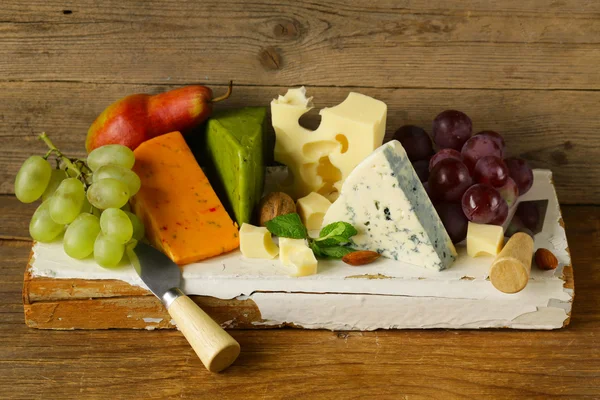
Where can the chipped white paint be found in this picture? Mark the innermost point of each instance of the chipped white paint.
(411, 297)
(152, 320)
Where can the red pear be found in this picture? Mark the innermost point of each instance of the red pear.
(140, 117)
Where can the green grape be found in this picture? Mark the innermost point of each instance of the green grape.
(126, 207)
(137, 224)
(111, 154)
(32, 179)
(116, 225)
(80, 236)
(57, 176)
(120, 173)
(42, 228)
(107, 252)
(108, 193)
(86, 207)
(66, 202)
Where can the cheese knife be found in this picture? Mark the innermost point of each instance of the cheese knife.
(216, 348)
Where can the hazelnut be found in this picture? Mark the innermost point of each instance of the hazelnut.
(273, 205)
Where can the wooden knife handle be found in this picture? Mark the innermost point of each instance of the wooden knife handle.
(215, 347)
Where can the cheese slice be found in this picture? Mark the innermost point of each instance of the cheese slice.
(181, 212)
(320, 160)
(385, 201)
(233, 155)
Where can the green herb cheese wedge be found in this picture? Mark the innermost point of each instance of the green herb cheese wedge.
(234, 155)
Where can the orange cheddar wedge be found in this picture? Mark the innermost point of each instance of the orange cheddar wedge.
(182, 214)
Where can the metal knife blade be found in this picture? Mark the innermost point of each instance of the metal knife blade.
(157, 270)
(216, 348)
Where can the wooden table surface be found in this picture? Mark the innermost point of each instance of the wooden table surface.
(528, 69)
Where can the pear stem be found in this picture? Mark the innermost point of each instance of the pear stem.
(226, 95)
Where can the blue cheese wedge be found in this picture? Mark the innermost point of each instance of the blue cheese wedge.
(385, 201)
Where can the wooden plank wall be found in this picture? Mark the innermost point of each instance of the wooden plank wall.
(526, 68)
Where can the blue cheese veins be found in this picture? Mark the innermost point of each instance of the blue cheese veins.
(385, 201)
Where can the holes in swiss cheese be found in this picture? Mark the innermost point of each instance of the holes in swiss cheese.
(343, 140)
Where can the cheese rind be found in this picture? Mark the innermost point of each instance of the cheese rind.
(385, 201)
(484, 239)
(181, 212)
(312, 209)
(320, 160)
(256, 242)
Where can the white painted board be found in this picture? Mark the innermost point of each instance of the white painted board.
(386, 294)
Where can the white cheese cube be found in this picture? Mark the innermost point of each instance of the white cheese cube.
(484, 239)
(287, 246)
(383, 198)
(256, 242)
(302, 262)
(321, 160)
(312, 209)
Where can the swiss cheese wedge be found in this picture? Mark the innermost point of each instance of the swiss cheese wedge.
(183, 215)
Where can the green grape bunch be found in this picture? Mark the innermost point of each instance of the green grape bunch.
(85, 201)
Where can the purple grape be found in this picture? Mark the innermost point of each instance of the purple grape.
(422, 169)
(501, 214)
(432, 197)
(443, 154)
(521, 173)
(449, 179)
(415, 141)
(491, 170)
(496, 137)
(454, 220)
(509, 192)
(482, 203)
(478, 147)
(451, 129)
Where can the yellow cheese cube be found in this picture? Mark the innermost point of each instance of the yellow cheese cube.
(484, 239)
(312, 209)
(287, 246)
(302, 262)
(256, 242)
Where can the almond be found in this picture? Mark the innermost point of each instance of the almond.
(545, 259)
(360, 257)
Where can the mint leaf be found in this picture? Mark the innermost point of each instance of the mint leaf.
(316, 249)
(336, 233)
(287, 226)
(336, 252)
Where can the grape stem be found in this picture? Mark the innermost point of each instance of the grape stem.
(70, 163)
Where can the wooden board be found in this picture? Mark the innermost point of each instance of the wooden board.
(472, 44)
(275, 364)
(255, 293)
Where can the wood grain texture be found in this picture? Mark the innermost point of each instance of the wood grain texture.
(559, 131)
(473, 44)
(277, 364)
